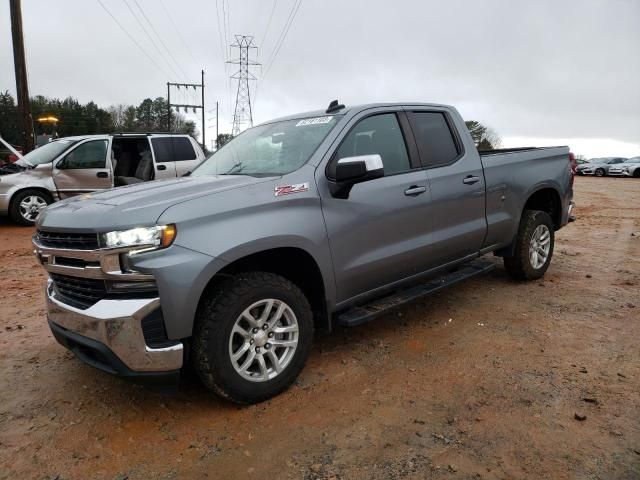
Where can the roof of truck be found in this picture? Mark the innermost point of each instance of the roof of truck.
(354, 108)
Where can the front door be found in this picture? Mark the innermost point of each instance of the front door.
(380, 234)
(457, 187)
(84, 169)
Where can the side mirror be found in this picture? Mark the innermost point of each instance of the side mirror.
(352, 170)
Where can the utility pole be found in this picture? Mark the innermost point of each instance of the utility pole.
(242, 114)
(217, 133)
(204, 128)
(186, 106)
(22, 88)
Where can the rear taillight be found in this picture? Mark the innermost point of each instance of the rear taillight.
(573, 166)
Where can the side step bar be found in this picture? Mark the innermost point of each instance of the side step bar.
(364, 313)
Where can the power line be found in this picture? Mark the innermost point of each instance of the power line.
(282, 37)
(134, 40)
(153, 42)
(273, 9)
(160, 38)
(177, 29)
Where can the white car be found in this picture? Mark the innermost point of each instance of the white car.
(599, 166)
(630, 168)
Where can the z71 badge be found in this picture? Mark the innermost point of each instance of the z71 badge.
(289, 189)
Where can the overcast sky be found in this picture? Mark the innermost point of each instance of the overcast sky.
(537, 72)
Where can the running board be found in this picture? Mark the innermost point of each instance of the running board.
(357, 315)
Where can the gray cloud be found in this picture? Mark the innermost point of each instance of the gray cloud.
(553, 69)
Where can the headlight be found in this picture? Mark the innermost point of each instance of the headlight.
(154, 237)
(625, 169)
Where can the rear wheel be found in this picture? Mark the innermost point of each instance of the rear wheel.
(600, 172)
(534, 246)
(27, 205)
(253, 336)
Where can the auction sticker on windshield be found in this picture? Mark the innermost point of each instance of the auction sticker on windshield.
(314, 121)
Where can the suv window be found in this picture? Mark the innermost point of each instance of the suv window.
(163, 149)
(182, 149)
(379, 134)
(173, 149)
(92, 154)
(433, 136)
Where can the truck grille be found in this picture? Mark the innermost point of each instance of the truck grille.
(78, 292)
(76, 241)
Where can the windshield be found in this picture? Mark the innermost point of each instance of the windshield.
(46, 153)
(269, 150)
(615, 160)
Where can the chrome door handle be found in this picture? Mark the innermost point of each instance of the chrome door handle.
(470, 180)
(414, 190)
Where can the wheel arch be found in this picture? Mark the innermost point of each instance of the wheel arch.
(547, 198)
(291, 262)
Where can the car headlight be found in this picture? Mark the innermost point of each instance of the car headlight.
(625, 169)
(160, 236)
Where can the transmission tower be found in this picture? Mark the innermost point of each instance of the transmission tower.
(242, 114)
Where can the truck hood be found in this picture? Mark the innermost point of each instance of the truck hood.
(135, 205)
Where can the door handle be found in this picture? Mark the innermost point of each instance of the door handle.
(470, 180)
(162, 167)
(414, 190)
(102, 175)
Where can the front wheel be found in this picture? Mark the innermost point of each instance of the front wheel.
(252, 337)
(27, 205)
(534, 246)
(600, 172)
(636, 173)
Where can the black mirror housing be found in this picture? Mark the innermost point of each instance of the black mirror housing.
(352, 170)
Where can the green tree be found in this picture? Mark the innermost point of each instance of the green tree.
(484, 137)
(223, 139)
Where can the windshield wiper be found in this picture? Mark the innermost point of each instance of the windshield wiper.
(239, 164)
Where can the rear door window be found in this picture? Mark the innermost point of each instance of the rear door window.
(436, 143)
(168, 149)
(163, 149)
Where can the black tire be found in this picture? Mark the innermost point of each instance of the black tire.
(636, 173)
(215, 320)
(15, 212)
(600, 172)
(519, 265)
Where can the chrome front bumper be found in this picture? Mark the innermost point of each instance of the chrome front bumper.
(116, 324)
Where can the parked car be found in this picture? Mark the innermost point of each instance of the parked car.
(630, 168)
(323, 218)
(599, 166)
(78, 165)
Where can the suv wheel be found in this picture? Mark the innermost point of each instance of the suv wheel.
(27, 205)
(600, 172)
(253, 336)
(534, 246)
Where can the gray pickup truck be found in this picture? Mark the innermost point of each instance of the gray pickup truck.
(323, 218)
(75, 165)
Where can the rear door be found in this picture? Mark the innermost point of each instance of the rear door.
(84, 169)
(457, 186)
(164, 160)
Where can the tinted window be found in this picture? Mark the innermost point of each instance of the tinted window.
(163, 149)
(182, 149)
(168, 149)
(435, 141)
(91, 154)
(379, 134)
